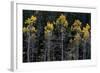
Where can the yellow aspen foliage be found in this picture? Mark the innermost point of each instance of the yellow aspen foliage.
(62, 20)
(66, 24)
(33, 29)
(88, 26)
(31, 20)
(48, 28)
(79, 28)
(77, 23)
(28, 21)
(85, 33)
(25, 29)
(47, 31)
(76, 26)
(77, 38)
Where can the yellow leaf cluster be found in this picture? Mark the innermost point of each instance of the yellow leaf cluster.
(31, 20)
(85, 31)
(77, 38)
(49, 27)
(76, 26)
(25, 29)
(77, 23)
(33, 29)
(62, 20)
(88, 26)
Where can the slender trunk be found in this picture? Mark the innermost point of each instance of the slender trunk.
(45, 54)
(28, 54)
(48, 53)
(53, 55)
(84, 49)
(48, 46)
(62, 45)
(76, 55)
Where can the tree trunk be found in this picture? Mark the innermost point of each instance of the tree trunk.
(62, 45)
(84, 49)
(28, 49)
(48, 45)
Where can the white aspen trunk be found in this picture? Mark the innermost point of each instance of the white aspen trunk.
(48, 45)
(84, 49)
(62, 45)
(45, 54)
(76, 55)
(28, 54)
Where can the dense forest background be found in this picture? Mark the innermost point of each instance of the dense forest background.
(56, 46)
